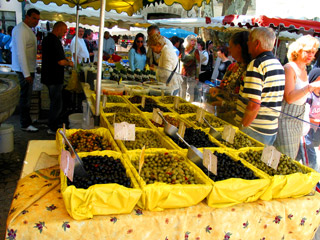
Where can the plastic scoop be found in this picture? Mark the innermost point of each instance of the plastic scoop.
(169, 129)
(78, 166)
(193, 153)
(212, 131)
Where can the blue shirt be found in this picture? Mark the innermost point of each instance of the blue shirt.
(136, 60)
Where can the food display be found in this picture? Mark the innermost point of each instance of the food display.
(84, 141)
(114, 99)
(286, 164)
(240, 141)
(167, 168)
(186, 108)
(116, 109)
(170, 100)
(229, 168)
(148, 107)
(195, 137)
(214, 121)
(149, 139)
(101, 170)
(172, 120)
(129, 118)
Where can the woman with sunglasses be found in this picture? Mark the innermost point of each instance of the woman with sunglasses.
(137, 53)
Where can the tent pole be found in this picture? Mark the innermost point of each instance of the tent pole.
(100, 58)
(76, 42)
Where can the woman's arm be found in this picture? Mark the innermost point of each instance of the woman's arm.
(290, 93)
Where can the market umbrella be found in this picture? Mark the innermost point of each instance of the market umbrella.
(170, 32)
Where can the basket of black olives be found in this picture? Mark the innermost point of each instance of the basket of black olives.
(145, 137)
(235, 180)
(109, 184)
(89, 140)
(289, 179)
(168, 180)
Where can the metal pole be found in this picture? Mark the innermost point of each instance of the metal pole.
(76, 42)
(100, 58)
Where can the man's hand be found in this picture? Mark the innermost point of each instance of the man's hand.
(29, 79)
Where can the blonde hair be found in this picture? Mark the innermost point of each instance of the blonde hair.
(265, 35)
(156, 40)
(306, 42)
(187, 40)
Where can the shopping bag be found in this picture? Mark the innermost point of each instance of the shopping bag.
(74, 83)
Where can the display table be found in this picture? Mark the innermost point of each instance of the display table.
(38, 212)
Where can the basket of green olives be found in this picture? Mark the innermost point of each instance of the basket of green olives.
(213, 120)
(169, 99)
(241, 140)
(109, 175)
(168, 180)
(289, 179)
(111, 98)
(235, 180)
(185, 108)
(140, 121)
(118, 108)
(145, 137)
(90, 140)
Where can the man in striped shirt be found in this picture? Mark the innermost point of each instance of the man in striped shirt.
(261, 93)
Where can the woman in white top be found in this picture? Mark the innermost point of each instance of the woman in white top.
(297, 88)
(168, 62)
(204, 58)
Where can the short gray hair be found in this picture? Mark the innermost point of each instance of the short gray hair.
(265, 35)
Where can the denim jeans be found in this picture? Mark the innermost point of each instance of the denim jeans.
(25, 100)
(265, 139)
(55, 95)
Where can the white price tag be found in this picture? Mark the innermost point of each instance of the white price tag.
(210, 161)
(200, 115)
(155, 116)
(104, 100)
(271, 156)
(182, 129)
(124, 131)
(67, 164)
(176, 102)
(141, 161)
(228, 133)
(143, 101)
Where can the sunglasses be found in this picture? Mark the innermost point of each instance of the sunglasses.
(139, 41)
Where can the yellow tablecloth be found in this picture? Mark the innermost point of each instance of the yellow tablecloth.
(38, 212)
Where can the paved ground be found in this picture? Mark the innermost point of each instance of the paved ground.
(11, 164)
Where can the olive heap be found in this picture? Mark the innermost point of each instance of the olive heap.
(166, 168)
(84, 141)
(286, 164)
(116, 109)
(138, 98)
(148, 107)
(215, 122)
(240, 141)
(148, 138)
(114, 99)
(170, 100)
(174, 121)
(228, 168)
(186, 108)
(129, 118)
(195, 137)
(101, 170)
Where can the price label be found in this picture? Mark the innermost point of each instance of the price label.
(182, 129)
(176, 102)
(124, 131)
(200, 115)
(228, 133)
(67, 164)
(141, 161)
(271, 156)
(155, 116)
(210, 161)
(143, 101)
(104, 100)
